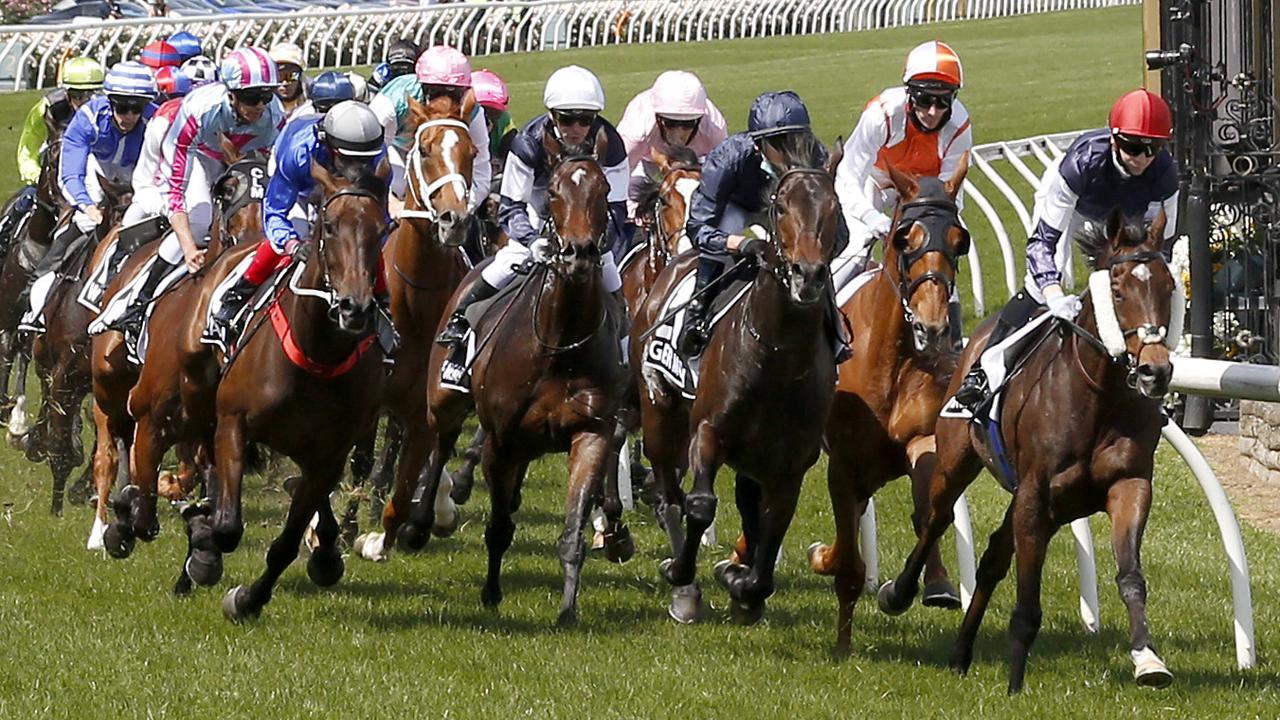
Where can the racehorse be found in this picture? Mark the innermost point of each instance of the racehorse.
(1078, 425)
(61, 352)
(115, 377)
(890, 392)
(547, 377)
(664, 204)
(312, 387)
(767, 380)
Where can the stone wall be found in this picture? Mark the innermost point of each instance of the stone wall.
(1260, 439)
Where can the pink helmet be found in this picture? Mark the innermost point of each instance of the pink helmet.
(489, 89)
(443, 65)
(679, 95)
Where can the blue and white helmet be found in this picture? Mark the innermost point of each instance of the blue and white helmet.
(201, 69)
(130, 79)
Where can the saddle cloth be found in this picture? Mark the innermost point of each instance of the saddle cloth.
(995, 361)
(76, 257)
(455, 371)
(225, 338)
(101, 275)
(845, 292)
(660, 354)
(115, 310)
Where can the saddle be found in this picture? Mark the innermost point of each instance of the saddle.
(127, 241)
(455, 371)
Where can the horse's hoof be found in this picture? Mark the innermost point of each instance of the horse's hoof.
(667, 568)
(686, 605)
(619, 546)
(371, 546)
(491, 597)
(205, 567)
(746, 613)
(235, 606)
(411, 538)
(889, 603)
(462, 486)
(940, 594)
(568, 619)
(1149, 670)
(728, 573)
(183, 587)
(325, 568)
(448, 527)
(118, 544)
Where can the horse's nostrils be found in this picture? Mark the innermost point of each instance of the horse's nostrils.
(1153, 379)
(354, 316)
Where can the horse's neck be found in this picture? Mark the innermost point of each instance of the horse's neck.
(313, 330)
(775, 318)
(420, 248)
(569, 311)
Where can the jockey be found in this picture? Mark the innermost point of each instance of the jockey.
(103, 139)
(290, 62)
(400, 59)
(735, 185)
(674, 112)
(574, 100)
(160, 54)
(328, 89)
(920, 128)
(491, 94)
(171, 83)
(1125, 166)
(187, 44)
(242, 109)
(201, 69)
(345, 135)
(440, 71)
(80, 78)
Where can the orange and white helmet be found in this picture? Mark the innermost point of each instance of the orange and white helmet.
(934, 64)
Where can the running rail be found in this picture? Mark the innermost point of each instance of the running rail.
(31, 54)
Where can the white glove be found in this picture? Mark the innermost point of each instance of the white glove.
(756, 232)
(1066, 307)
(880, 225)
(540, 249)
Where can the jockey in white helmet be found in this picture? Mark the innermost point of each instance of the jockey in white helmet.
(675, 111)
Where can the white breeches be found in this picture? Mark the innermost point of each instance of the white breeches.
(503, 268)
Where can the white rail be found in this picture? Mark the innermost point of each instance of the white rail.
(30, 54)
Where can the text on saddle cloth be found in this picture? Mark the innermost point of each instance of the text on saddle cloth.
(660, 354)
(252, 188)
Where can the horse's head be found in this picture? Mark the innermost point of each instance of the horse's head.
(804, 214)
(924, 247)
(664, 200)
(440, 165)
(116, 198)
(578, 206)
(348, 236)
(1133, 294)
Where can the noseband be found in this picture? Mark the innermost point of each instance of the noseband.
(423, 191)
(937, 216)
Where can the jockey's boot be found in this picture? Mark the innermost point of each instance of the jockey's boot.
(233, 300)
(955, 324)
(838, 328)
(696, 329)
(51, 262)
(132, 317)
(24, 203)
(458, 326)
(973, 390)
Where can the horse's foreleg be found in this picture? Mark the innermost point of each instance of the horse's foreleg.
(362, 456)
(17, 420)
(464, 480)
(504, 478)
(105, 462)
(750, 587)
(991, 570)
(384, 473)
(618, 545)
(1032, 529)
(229, 444)
(1128, 504)
(325, 566)
(699, 506)
(939, 592)
(587, 459)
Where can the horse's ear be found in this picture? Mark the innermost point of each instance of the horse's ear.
(906, 185)
(602, 145)
(418, 114)
(551, 145)
(468, 105)
(324, 178)
(957, 178)
(384, 169)
(660, 159)
(837, 154)
(230, 152)
(1115, 229)
(1155, 232)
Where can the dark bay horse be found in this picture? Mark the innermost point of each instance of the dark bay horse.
(890, 392)
(1080, 422)
(767, 381)
(547, 378)
(310, 389)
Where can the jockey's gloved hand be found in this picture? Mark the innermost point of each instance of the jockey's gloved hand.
(880, 225)
(754, 240)
(298, 250)
(89, 218)
(1066, 307)
(540, 249)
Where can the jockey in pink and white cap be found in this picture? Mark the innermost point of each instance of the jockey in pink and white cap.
(675, 111)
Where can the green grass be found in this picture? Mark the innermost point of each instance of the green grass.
(84, 636)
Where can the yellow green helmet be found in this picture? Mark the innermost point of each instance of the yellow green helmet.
(82, 73)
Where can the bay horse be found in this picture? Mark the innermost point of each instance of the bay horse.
(1079, 422)
(310, 389)
(424, 264)
(889, 393)
(61, 352)
(767, 381)
(115, 376)
(547, 377)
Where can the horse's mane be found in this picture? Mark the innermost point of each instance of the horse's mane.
(798, 150)
(680, 158)
(1094, 241)
(362, 176)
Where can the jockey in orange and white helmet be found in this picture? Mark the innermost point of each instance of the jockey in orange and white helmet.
(920, 128)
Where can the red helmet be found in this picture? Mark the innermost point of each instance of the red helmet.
(1141, 114)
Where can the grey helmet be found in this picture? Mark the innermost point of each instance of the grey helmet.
(351, 128)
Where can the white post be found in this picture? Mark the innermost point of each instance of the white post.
(1088, 571)
(965, 562)
(870, 548)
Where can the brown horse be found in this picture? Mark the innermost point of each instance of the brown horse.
(424, 264)
(115, 377)
(547, 378)
(1080, 428)
(61, 353)
(889, 393)
(767, 380)
(664, 204)
(310, 389)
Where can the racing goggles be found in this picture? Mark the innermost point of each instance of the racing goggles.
(925, 99)
(290, 74)
(79, 96)
(674, 124)
(1137, 147)
(254, 96)
(581, 118)
(128, 105)
(453, 92)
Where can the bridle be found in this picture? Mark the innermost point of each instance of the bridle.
(937, 216)
(661, 240)
(326, 291)
(422, 191)
(776, 269)
(253, 190)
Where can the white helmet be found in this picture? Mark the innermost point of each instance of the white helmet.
(351, 128)
(288, 54)
(573, 88)
(679, 95)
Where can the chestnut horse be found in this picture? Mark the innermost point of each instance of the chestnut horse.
(767, 381)
(1080, 421)
(310, 389)
(664, 204)
(889, 393)
(547, 377)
